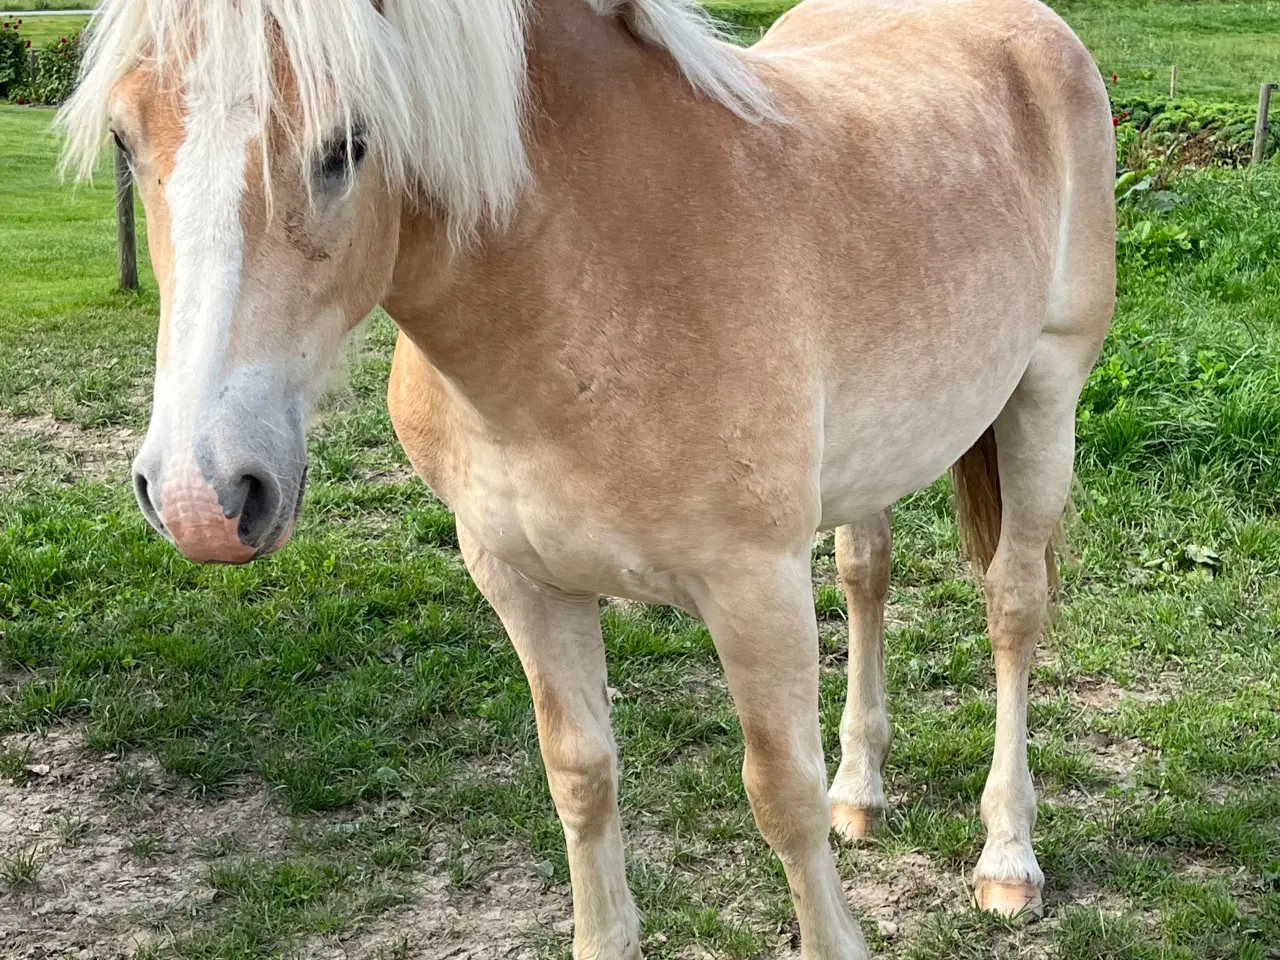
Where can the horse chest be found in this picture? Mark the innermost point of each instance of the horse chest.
(529, 513)
(525, 511)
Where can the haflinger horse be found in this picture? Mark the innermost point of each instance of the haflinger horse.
(667, 308)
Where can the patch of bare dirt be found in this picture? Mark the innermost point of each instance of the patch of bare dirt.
(111, 858)
(898, 893)
(497, 919)
(98, 455)
(1107, 696)
(1117, 757)
(389, 476)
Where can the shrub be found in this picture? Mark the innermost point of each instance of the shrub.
(14, 71)
(59, 70)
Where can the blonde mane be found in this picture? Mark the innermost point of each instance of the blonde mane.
(436, 87)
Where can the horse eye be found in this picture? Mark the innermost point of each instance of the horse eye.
(342, 157)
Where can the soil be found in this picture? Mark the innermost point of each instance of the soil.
(493, 921)
(120, 848)
(100, 456)
(117, 845)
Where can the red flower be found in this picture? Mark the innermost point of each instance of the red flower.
(1114, 78)
(28, 44)
(1124, 114)
(62, 39)
(1115, 121)
(6, 23)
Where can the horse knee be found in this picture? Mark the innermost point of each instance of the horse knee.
(579, 756)
(788, 795)
(862, 559)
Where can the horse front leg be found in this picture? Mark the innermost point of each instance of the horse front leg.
(763, 625)
(557, 638)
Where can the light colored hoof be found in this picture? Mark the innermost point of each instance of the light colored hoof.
(854, 823)
(1010, 899)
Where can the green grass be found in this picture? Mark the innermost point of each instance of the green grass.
(13, 767)
(82, 350)
(7, 6)
(40, 30)
(1222, 50)
(21, 870)
(360, 675)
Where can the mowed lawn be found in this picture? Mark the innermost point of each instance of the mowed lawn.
(42, 30)
(7, 6)
(359, 681)
(1223, 51)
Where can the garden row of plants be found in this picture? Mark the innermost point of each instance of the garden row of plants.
(58, 67)
(1180, 132)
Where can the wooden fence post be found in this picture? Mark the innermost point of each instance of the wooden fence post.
(33, 59)
(126, 234)
(1260, 128)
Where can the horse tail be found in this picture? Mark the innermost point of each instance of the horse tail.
(976, 481)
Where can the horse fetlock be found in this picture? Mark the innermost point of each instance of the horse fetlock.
(866, 736)
(1008, 807)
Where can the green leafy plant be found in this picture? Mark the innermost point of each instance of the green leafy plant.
(14, 63)
(21, 870)
(59, 71)
(1154, 245)
(13, 767)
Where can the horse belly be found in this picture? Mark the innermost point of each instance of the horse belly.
(898, 429)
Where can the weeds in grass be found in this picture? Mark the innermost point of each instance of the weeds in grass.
(130, 785)
(72, 828)
(21, 870)
(216, 848)
(13, 767)
(148, 847)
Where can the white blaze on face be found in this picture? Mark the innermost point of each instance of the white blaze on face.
(204, 196)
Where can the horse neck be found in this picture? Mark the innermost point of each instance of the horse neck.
(613, 132)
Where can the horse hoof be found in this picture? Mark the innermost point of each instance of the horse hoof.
(853, 823)
(1014, 900)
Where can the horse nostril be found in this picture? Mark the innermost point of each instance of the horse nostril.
(142, 490)
(259, 511)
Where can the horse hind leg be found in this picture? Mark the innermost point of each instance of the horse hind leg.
(857, 793)
(1017, 508)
